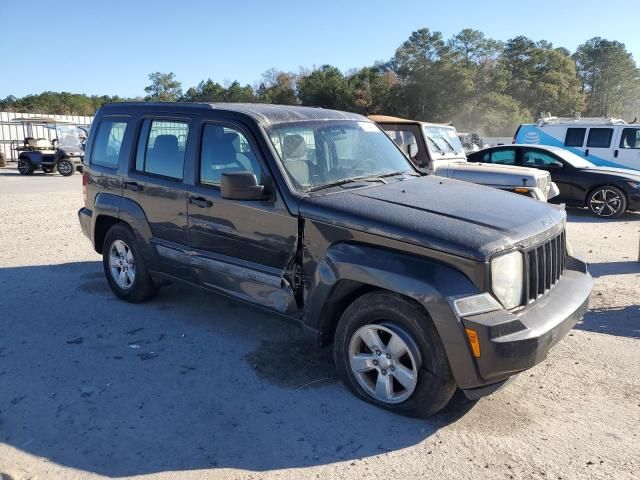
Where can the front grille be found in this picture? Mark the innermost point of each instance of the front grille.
(544, 265)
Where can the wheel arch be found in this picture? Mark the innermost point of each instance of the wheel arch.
(348, 271)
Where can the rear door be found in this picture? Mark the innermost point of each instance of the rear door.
(627, 152)
(599, 145)
(155, 182)
(242, 248)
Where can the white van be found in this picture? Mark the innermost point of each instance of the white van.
(605, 142)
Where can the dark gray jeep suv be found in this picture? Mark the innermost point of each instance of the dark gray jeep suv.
(423, 284)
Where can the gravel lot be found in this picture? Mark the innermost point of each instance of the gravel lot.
(191, 385)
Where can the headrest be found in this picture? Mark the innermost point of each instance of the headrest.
(294, 147)
(166, 142)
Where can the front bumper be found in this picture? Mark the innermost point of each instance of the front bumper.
(511, 342)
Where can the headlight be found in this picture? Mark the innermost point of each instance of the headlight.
(506, 278)
(635, 185)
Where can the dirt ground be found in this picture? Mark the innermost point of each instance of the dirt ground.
(191, 385)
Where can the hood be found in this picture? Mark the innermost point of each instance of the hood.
(460, 218)
(497, 175)
(633, 175)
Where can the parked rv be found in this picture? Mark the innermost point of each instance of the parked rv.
(605, 142)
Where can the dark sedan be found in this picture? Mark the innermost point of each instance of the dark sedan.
(607, 192)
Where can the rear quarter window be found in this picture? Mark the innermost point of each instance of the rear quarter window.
(574, 137)
(108, 143)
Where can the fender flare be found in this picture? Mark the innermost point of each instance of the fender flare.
(128, 211)
(428, 282)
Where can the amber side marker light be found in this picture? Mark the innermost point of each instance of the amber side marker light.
(521, 190)
(473, 341)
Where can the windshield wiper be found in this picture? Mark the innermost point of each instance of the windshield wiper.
(449, 145)
(345, 181)
(398, 172)
(433, 142)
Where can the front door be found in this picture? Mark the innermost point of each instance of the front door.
(560, 174)
(242, 248)
(627, 153)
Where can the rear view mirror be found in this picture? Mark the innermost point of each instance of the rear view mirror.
(241, 186)
(413, 150)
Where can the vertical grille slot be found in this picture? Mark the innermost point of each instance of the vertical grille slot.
(545, 265)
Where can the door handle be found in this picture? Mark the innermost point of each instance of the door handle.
(200, 202)
(132, 186)
(615, 154)
(586, 152)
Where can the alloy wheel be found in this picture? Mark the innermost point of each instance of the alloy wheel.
(23, 167)
(65, 168)
(605, 203)
(384, 360)
(122, 264)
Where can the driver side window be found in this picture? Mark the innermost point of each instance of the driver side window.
(534, 158)
(225, 149)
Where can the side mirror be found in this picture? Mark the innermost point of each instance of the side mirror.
(413, 150)
(241, 186)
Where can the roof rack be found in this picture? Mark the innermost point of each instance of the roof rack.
(548, 119)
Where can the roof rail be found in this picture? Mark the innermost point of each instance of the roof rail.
(548, 119)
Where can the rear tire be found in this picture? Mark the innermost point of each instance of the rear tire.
(415, 383)
(25, 167)
(66, 167)
(124, 266)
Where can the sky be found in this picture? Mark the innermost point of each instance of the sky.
(109, 47)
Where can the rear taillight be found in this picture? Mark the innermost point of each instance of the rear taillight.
(84, 187)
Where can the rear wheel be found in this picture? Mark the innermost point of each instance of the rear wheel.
(388, 352)
(25, 167)
(65, 167)
(124, 267)
(607, 202)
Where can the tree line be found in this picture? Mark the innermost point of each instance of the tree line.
(478, 83)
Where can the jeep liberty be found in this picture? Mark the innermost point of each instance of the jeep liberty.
(423, 284)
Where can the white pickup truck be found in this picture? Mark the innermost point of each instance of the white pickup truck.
(436, 149)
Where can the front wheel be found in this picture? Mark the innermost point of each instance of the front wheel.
(65, 167)
(607, 202)
(124, 266)
(25, 167)
(388, 352)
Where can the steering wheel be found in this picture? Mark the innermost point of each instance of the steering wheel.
(364, 164)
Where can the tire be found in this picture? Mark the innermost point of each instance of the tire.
(607, 202)
(135, 288)
(25, 167)
(66, 167)
(3, 160)
(397, 321)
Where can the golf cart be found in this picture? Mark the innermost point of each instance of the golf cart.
(61, 150)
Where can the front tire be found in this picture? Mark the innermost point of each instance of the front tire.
(124, 267)
(607, 202)
(65, 167)
(387, 351)
(25, 167)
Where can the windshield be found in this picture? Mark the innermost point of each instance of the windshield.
(70, 135)
(443, 141)
(324, 153)
(573, 159)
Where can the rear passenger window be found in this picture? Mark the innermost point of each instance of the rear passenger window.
(630, 138)
(165, 149)
(225, 149)
(108, 142)
(600, 137)
(575, 137)
(504, 157)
